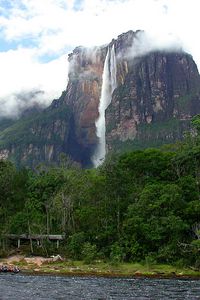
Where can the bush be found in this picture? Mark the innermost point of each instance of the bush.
(149, 261)
(117, 254)
(75, 245)
(89, 252)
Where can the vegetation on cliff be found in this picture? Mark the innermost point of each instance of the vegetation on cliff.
(138, 206)
(27, 141)
(155, 96)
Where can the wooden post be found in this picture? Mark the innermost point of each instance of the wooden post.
(57, 244)
(18, 243)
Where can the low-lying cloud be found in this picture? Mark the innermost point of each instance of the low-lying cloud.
(145, 42)
(21, 74)
(14, 105)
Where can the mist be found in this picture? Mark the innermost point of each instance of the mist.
(146, 42)
(26, 82)
(16, 104)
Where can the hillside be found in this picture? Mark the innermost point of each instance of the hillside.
(149, 98)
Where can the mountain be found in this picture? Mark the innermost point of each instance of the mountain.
(159, 95)
(142, 97)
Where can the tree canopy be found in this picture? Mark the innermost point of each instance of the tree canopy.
(136, 205)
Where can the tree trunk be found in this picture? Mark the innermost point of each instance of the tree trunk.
(29, 232)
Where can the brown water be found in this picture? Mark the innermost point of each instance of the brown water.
(21, 286)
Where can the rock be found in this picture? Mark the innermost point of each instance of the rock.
(157, 94)
(157, 98)
(56, 258)
(138, 273)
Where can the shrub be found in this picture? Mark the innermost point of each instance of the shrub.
(117, 254)
(89, 252)
(75, 245)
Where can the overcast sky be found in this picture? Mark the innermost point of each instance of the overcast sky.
(37, 35)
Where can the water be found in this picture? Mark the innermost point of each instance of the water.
(113, 70)
(109, 83)
(100, 123)
(21, 287)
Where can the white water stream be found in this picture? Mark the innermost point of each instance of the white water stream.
(109, 83)
(113, 70)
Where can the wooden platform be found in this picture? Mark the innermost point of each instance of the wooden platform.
(37, 237)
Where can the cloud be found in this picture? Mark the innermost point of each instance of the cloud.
(16, 104)
(145, 42)
(21, 73)
(42, 30)
(56, 24)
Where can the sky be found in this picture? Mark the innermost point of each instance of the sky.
(37, 35)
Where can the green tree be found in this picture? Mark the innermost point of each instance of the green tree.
(7, 174)
(154, 222)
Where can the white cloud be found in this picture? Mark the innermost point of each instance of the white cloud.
(22, 73)
(98, 20)
(54, 26)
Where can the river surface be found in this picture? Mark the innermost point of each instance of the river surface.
(19, 286)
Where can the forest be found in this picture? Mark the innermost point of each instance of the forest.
(136, 205)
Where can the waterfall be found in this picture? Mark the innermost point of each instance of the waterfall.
(109, 83)
(113, 70)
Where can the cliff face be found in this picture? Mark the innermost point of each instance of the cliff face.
(85, 86)
(83, 94)
(36, 137)
(157, 93)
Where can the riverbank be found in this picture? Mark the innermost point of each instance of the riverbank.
(41, 265)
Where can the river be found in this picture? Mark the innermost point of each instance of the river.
(19, 286)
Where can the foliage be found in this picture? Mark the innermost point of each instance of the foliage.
(139, 206)
(150, 135)
(35, 130)
(117, 253)
(75, 244)
(89, 252)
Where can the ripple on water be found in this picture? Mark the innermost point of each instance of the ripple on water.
(23, 287)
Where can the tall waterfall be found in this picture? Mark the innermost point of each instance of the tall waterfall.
(109, 83)
(113, 70)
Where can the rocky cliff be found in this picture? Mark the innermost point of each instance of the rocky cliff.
(155, 96)
(159, 94)
(82, 96)
(37, 136)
